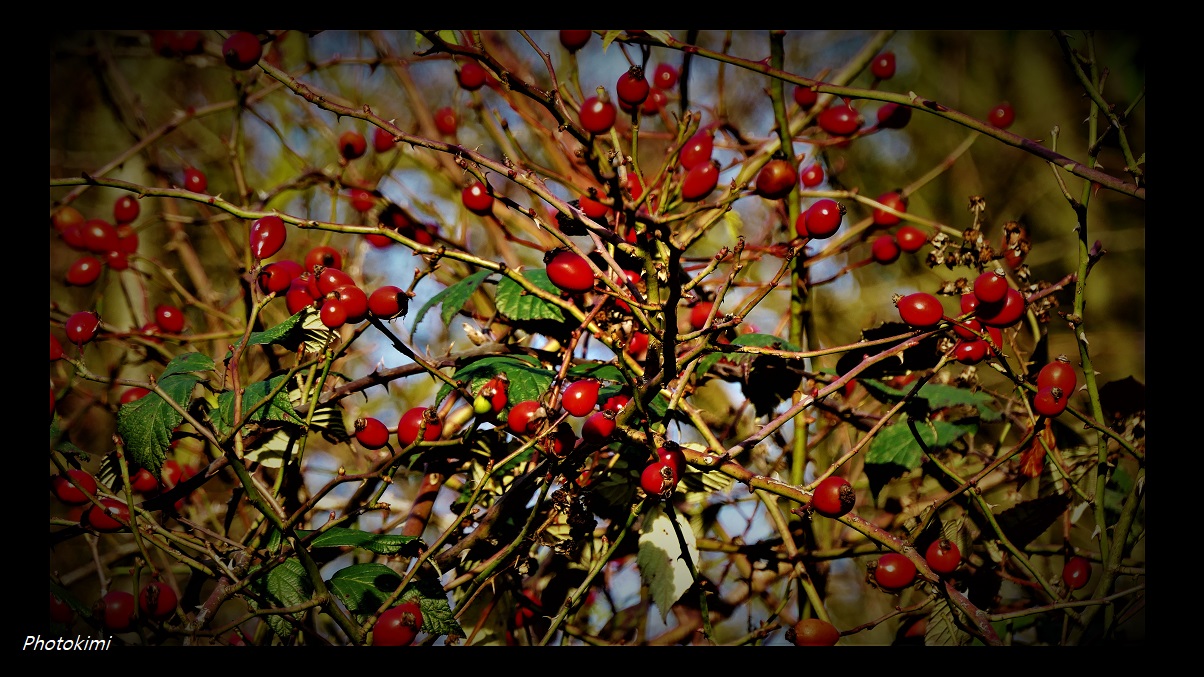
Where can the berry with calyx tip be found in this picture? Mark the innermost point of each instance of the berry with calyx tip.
(814, 632)
(352, 144)
(943, 556)
(658, 479)
(371, 433)
(672, 455)
(833, 497)
(242, 50)
(471, 76)
(840, 120)
(598, 427)
(398, 626)
(632, 87)
(991, 286)
(821, 220)
(388, 302)
(157, 600)
(492, 397)
(1058, 373)
(411, 421)
(1050, 401)
(920, 310)
(322, 255)
(597, 115)
(526, 417)
(82, 327)
(1003, 314)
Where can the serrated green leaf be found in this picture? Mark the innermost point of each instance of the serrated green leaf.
(284, 585)
(896, 444)
(381, 544)
(942, 627)
(1025, 521)
(453, 298)
(279, 409)
(660, 560)
(271, 335)
(145, 425)
(528, 380)
(664, 37)
(756, 340)
(603, 371)
(364, 587)
(515, 303)
(187, 363)
(942, 396)
(609, 38)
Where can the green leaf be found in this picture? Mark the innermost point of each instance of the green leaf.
(381, 544)
(942, 396)
(609, 38)
(304, 327)
(363, 588)
(515, 303)
(145, 425)
(284, 585)
(943, 629)
(453, 298)
(187, 363)
(603, 371)
(1025, 521)
(280, 408)
(755, 340)
(895, 443)
(528, 380)
(660, 560)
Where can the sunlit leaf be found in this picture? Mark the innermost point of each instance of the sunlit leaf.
(515, 303)
(660, 559)
(896, 444)
(453, 298)
(145, 425)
